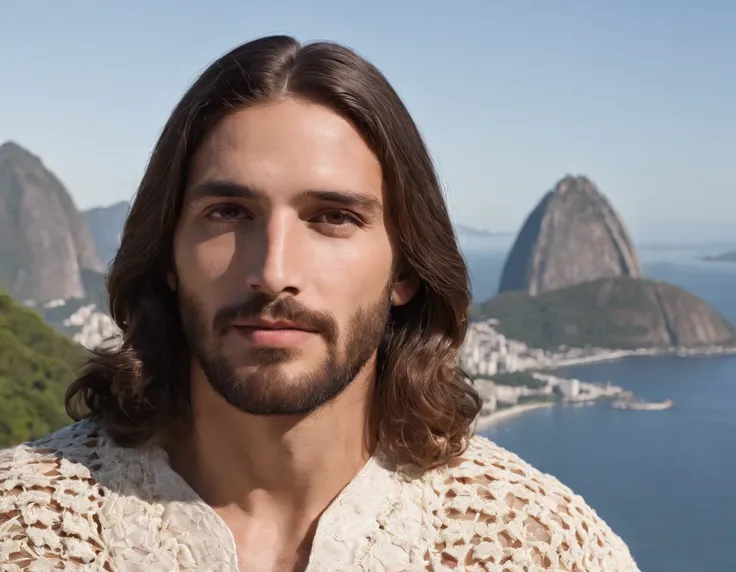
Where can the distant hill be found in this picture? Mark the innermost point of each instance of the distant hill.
(572, 236)
(57, 313)
(106, 226)
(725, 257)
(461, 229)
(36, 366)
(44, 241)
(615, 313)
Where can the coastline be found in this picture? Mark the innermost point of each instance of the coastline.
(613, 355)
(487, 421)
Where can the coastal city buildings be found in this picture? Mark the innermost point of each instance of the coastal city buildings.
(92, 327)
(489, 357)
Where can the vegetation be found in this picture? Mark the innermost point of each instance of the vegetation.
(517, 379)
(36, 366)
(619, 313)
(571, 316)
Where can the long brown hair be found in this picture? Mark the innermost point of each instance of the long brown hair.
(426, 405)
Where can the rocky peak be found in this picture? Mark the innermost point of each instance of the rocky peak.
(11, 151)
(573, 236)
(106, 225)
(44, 241)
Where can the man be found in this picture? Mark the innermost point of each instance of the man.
(287, 394)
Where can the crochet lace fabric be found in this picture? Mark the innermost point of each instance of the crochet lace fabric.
(76, 501)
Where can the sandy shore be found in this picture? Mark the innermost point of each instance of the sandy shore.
(487, 421)
(596, 358)
(613, 355)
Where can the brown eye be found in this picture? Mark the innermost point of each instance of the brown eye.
(227, 213)
(338, 218)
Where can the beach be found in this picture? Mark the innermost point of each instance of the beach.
(613, 355)
(483, 422)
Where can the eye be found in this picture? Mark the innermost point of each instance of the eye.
(338, 218)
(226, 213)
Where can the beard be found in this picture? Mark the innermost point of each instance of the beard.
(265, 388)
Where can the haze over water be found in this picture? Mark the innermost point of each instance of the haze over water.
(662, 480)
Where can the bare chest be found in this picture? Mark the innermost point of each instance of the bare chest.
(262, 546)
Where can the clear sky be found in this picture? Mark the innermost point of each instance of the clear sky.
(511, 94)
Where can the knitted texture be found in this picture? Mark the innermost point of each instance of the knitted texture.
(75, 501)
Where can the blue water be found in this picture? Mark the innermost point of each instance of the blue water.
(665, 481)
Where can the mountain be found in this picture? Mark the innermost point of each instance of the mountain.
(44, 241)
(614, 313)
(36, 366)
(725, 257)
(573, 236)
(106, 225)
(463, 230)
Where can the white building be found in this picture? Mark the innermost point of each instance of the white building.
(569, 387)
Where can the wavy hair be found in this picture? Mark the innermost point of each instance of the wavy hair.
(426, 405)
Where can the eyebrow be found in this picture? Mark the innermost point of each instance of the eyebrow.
(221, 189)
(355, 199)
(231, 190)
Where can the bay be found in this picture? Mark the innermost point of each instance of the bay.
(662, 480)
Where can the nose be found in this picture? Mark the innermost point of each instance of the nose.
(274, 256)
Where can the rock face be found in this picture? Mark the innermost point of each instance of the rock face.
(573, 236)
(614, 313)
(687, 321)
(106, 225)
(44, 241)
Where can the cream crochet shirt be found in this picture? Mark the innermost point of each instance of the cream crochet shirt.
(76, 501)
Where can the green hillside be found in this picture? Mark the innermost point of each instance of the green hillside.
(36, 366)
(616, 313)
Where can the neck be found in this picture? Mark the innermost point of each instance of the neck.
(288, 468)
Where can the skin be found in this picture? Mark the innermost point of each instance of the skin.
(267, 473)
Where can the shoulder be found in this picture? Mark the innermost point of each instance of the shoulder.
(496, 508)
(49, 499)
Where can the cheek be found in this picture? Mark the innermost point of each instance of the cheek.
(354, 277)
(201, 264)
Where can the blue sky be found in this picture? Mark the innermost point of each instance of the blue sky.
(640, 95)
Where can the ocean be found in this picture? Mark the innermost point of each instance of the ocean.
(664, 481)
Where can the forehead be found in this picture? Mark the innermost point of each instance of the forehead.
(287, 146)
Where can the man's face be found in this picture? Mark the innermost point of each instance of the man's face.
(283, 263)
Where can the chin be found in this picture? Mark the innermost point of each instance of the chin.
(271, 391)
(296, 387)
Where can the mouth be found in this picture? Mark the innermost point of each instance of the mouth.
(276, 333)
(273, 325)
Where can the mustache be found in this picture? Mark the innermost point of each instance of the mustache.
(263, 306)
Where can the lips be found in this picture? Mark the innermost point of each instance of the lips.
(273, 334)
(274, 326)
